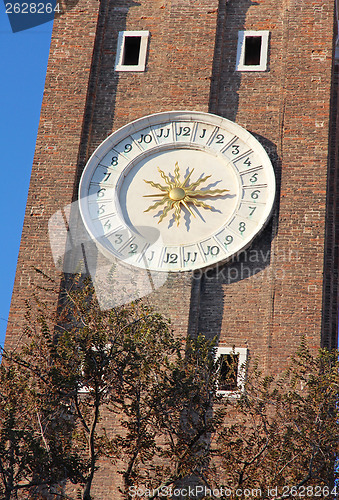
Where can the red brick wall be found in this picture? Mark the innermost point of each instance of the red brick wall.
(178, 75)
(288, 107)
(191, 65)
(56, 155)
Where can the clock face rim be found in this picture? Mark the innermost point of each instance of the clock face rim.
(157, 119)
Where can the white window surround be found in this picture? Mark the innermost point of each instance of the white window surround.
(119, 66)
(242, 352)
(262, 66)
(83, 389)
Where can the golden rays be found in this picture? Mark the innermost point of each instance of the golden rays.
(177, 194)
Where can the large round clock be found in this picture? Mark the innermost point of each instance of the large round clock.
(201, 183)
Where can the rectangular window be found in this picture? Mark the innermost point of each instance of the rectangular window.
(228, 375)
(252, 50)
(131, 51)
(232, 370)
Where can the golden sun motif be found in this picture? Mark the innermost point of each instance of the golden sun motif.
(177, 193)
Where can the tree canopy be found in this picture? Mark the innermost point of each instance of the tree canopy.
(89, 385)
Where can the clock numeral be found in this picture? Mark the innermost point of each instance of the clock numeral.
(107, 225)
(212, 250)
(248, 162)
(128, 148)
(107, 176)
(220, 138)
(114, 161)
(235, 149)
(133, 247)
(254, 178)
(151, 257)
(252, 210)
(189, 258)
(228, 240)
(101, 210)
(101, 193)
(184, 131)
(161, 133)
(118, 239)
(145, 138)
(172, 258)
(255, 194)
(242, 227)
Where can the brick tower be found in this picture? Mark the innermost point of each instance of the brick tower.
(268, 66)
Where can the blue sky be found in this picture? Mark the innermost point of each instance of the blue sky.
(23, 60)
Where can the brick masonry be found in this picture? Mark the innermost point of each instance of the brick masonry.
(288, 109)
(285, 285)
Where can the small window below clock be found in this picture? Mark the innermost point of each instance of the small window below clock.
(98, 357)
(232, 370)
(252, 50)
(131, 51)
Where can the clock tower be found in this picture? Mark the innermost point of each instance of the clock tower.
(195, 142)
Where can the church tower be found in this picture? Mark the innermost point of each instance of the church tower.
(243, 91)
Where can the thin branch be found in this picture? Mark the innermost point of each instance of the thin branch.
(80, 415)
(42, 433)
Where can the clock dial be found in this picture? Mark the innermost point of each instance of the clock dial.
(202, 183)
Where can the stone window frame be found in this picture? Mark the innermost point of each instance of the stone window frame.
(241, 377)
(240, 64)
(83, 389)
(119, 66)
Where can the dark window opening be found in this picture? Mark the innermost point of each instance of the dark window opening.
(252, 50)
(131, 50)
(228, 372)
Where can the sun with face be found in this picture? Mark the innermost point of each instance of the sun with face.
(177, 194)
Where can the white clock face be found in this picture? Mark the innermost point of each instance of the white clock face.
(202, 184)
